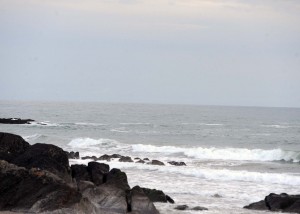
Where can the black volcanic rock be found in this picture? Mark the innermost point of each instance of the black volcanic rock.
(156, 162)
(198, 208)
(11, 146)
(47, 157)
(98, 172)
(80, 172)
(125, 159)
(274, 202)
(105, 157)
(181, 207)
(139, 202)
(15, 121)
(73, 155)
(33, 190)
(118, 179)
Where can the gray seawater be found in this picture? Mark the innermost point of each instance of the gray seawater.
(239, 153)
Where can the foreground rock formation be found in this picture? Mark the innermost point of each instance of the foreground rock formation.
(37, 178)
(274, 202)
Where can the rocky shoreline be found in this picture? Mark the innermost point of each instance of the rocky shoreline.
(38, 179)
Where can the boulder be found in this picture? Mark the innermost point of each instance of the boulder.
(89, 157)
(146, 159)
(97, 172)
(33, 190)
(15, 121)
(125, 159)
(177, 163)
(47, 157)
(156, 162)
(105, 157)
(80, 172)
(11, 146)
(157, 195)
(139, 203)
(140, 161)
(73, 155)
(117, 178)
(198, 208)
(260, 205)
(181, 207)
(116, 156)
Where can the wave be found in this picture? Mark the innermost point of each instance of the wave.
(90, 124)
(89, 142)
(32, 137)
(223, 153)
(43, 123)
(276, 126)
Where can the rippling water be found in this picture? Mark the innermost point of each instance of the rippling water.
(239, 154)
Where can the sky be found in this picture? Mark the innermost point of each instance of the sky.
(203, 52)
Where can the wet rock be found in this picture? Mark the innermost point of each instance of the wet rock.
(11, 146)
(73, 155)
(157, 195)
(15, 121)
(89, 157)
(140, 161)
(156, 162)
(177, 163)
(217, 195)
(146, 159)
(138, 202)
(80, 172)
(260, 205)
(105, 157)
(125, 159)
(116, 156)
(137, 158)
(97, 172)
(198, 208)
(33, 190)
(46, 157)
(181, 207)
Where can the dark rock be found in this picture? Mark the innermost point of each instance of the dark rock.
(217, 195)
(137, 158)
(181, 207)
(157, 195)
(83, 185)
(118, 179)
(169, 199)
(80, 172)
(89, 157)
(33, 190)
(156, 162)
(116, 156)
(177, 163)
(146, 159)
(140, 161)
(73, 155)
(15, 121)
(11, 146)
(97, 172)
(275, 202)
(126, 159)
(47, 157)
(139, 203)
(105, 157)
(198, 208)
(260, 205)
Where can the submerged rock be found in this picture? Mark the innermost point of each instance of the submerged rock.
(177, 163)
(126, 159)
(198, 208)
(156, 162)
(181, 207)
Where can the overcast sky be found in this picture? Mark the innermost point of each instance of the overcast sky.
(207, 52)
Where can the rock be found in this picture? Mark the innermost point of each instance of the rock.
(83, 185)
(140, 161)
(156, 162)
(157, 195)
(33, 190)
(97, 172)
(146, 159)
(116, 156)
(217, 195)
(125, 159)
(80, 172)
(47, 157)
(177, 163)
(15, 121)
(181, 207)
(139, 203)
(105, 157)
(73, 155)
(89, 157)
(198, 208)
(260, 205)
(118, 179)
(137, 158)
(275, 202)
(11, 146)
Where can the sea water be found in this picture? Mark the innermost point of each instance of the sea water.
(234, 155)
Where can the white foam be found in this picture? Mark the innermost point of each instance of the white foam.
(31, 137)
(89, 142)
(223, 153)
(44, 123)
(119, 130)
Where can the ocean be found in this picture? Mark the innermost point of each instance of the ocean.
(234, 155)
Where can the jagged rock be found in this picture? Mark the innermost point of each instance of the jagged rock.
(15, 121)
(157, 195)
(11, 146)
(126, 159)
(181, 207)
(177, 163)
(80, 172)
(198, 208)
(73, 155)
(47, 157)
(139, 202)
(156, 162)
(97, 172)
(118, 179)
(33, 190)
(260, 205)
